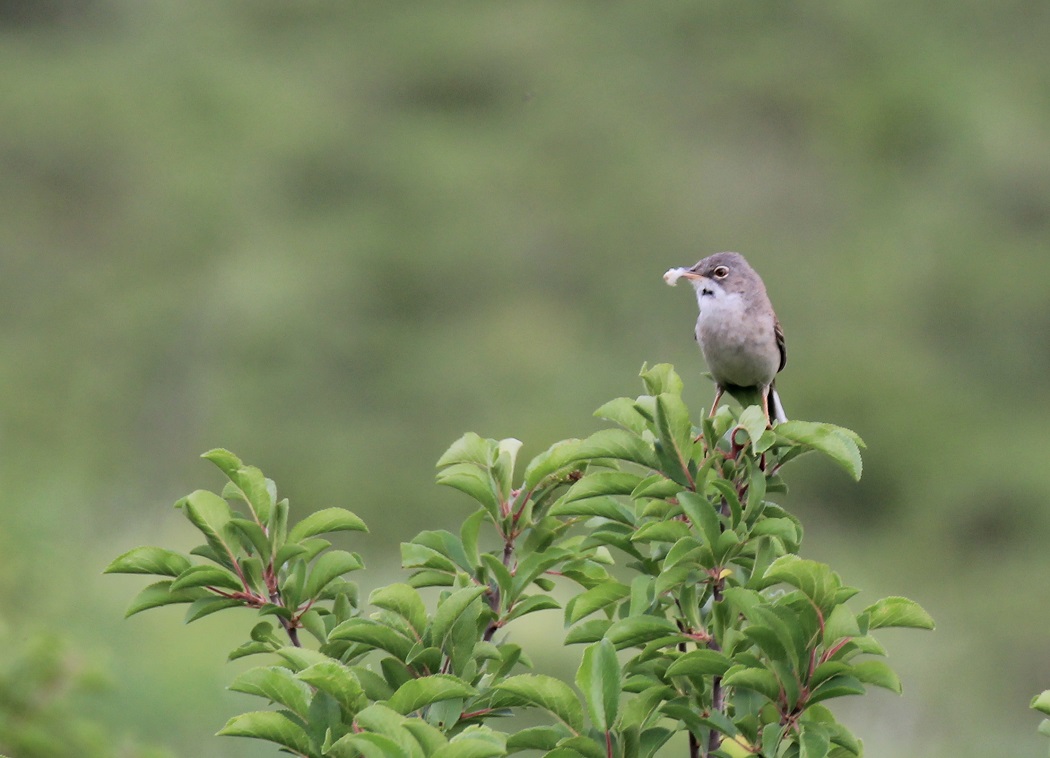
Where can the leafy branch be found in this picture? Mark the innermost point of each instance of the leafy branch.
(684, 587)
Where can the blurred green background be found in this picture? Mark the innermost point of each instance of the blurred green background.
(333, 236)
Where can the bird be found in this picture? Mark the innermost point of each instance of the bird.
(737, 330)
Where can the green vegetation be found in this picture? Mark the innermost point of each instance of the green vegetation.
(334, 236)
(710, 641)
(44, 689)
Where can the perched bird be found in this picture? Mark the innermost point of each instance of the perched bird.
(737, 330)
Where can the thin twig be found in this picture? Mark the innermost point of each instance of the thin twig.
(694, 746)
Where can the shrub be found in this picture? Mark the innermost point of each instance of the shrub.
(689, 604)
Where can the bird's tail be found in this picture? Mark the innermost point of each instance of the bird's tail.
(776, 408)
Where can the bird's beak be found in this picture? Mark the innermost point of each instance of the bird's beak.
(690, 274)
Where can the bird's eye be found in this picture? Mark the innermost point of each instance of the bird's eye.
(721, 272)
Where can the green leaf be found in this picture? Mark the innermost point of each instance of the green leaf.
(470, 448)
(1044, 727)
(783, 528)
(469, 749)
(252, 570)
(338, 681)
(204, 606)
(149, 560)
(815, 580)
(580, 746)
(313, 622)
(760, 680)
(676, 436)
(638, 630)
(687, 550)
(328, 567)
(417, 693)
(253, 536)
(813, 741)
(207, 576)
(374, 685)
(224, 459)
(877, 673)
(837, 686)
(619, 444)
(468, 537)
(841, 445)
(774, 641)
(639, 710)
(373, 634)
(325, 521)
(1041, 702)
(249, 648)
(602, 483)
(533, 566)
(826, 670)
(395, 673)
(703, 516)
(754, 422)
(423, 557)
(449, 611)
(499, 572)
(287, 552)
(503, 468)
(405, 602)
(277, 684)
(530, 604)
(460, 643)
(446, 544)
(700, 663)
(431, 578)
(594, 599)
(428, 736)
(656, 486)
(651, 740)
(603, 507)
(208, 512)
(548, 693)
(272, 726)
(898, 611)
(382, 720)
(756, 493)
(379, 717)
(299, 658)
(643, 595)
(249, 484)
(623, 411)
(474, 742)
(599, 679)
(277, 526)
(589, 631)
(160, 594)
(661, 531)
(536, 738)
(662, 378)
(684, 711)
(475, 482)
(366, 745)
(839, 624)
(560, 457)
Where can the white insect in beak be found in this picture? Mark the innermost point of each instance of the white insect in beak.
(672, 275)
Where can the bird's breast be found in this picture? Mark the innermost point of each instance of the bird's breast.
(739, 347)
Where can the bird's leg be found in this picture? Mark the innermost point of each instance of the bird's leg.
(719, 391)
(765, 407)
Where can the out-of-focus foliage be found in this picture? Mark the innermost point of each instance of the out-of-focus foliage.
(333, 236)
(43, 692)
